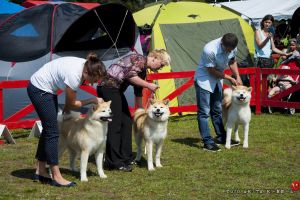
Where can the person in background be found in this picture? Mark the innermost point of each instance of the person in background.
(65, 73)
(282, 82)
(292, 52)
(129, 70)
(264, 44)
(216, 57)
(298, 39)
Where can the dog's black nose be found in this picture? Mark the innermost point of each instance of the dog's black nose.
(158, 110)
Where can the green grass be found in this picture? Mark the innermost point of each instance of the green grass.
(271, 163)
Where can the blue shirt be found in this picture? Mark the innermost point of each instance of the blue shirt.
(213, 55)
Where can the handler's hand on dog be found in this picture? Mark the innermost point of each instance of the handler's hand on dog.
(100, 100)
(233, 81)
(153, 87)
(97, 100)
(239, 81)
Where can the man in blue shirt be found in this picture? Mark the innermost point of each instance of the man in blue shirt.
(216, 57)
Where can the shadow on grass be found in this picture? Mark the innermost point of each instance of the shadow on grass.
(23, 173)
(192, 142)
(28, 173)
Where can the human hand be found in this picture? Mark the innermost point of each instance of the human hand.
(97, 100)
(233, 81)
(239, 80)
(153, 87)
(270, 35)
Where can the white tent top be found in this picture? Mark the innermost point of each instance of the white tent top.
(257, 9)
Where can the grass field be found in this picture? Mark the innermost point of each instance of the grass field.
(264, 171)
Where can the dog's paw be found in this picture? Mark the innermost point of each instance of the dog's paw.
(151, 169)
(227, 146)
(84, 179)
(159, 165)
(103, 176)
(245, 146)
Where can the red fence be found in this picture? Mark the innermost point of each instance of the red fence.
(254, 82)
(15, 120)
(258, 82)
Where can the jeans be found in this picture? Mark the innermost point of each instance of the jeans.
(210, 104)
(46, 106)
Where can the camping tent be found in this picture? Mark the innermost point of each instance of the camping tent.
(255, 10)
(41, 33)
(28, 4)
(7, 9)
(295, 24)
(183, 28)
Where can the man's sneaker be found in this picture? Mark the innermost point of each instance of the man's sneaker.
(211, 147)
(232, 142)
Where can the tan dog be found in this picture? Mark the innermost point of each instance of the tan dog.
(85, 136)
(151, 124)
(236, 110)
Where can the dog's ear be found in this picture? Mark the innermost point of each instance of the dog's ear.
(249, 89)
(109, 102)
(234, 87)
(152, 101)
(166, 102)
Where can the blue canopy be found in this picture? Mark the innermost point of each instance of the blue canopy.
(7, 7)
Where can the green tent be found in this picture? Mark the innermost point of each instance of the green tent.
(183, 28)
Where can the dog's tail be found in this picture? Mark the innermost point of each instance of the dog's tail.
(227, 95)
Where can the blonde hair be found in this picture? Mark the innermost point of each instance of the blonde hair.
(162, 55)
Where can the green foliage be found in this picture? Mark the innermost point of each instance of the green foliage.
(269, 165)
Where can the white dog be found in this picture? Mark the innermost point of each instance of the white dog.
(85, 135)
(236, 110)
(151, 124)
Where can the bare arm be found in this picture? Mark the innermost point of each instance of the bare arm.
(274, 49)
(72, 103)
(235, 71)
(261, 43)
(222, 75)
(142, 83)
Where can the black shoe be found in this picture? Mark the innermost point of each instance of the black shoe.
(211, 147)
(136, 162)
(232, 142)
(124, 168)
(54, 183)
(131, 162)
(42, 179)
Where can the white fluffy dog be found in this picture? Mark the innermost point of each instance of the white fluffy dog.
(236, 110)
(151, 124)
(85, 136)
